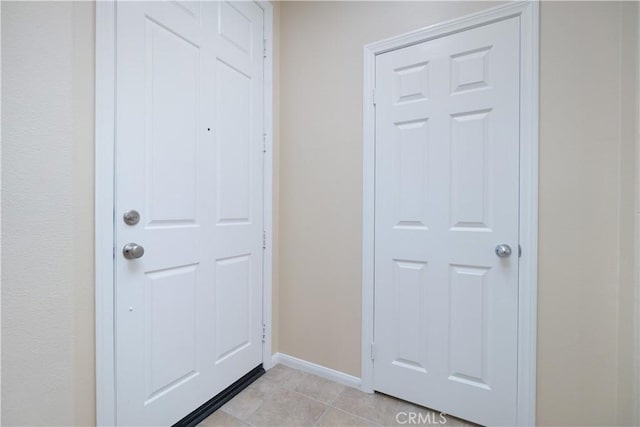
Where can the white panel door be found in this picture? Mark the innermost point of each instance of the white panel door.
(189, 160)
(446, 194)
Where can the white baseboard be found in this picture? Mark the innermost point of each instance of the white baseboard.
(319, 370)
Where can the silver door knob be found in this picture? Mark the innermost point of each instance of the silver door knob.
(131, 217)
(132, 251)
(503, 250)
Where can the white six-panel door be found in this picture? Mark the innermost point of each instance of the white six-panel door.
(189, 159)
(446, 194)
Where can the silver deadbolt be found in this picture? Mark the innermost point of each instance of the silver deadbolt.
(132, 251)
(131, 217)
(503, 250)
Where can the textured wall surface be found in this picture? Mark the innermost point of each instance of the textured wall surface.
(580, 205)
(628, 332)
(47, 222)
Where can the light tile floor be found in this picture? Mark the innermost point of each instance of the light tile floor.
(288, 397)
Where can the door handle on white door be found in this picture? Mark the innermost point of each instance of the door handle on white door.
(503, 250)
(132, 251)
(131, 217)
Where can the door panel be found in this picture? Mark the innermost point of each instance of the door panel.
(233, 300)
(189, 160)
(409, 316)
(412, 155)
(235, 27)
(470, 201)
(170, 354)
(172, 84)
(234, 154)
(469, 299)
(447, 155)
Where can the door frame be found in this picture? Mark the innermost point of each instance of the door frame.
(528, 13)
(105, 250)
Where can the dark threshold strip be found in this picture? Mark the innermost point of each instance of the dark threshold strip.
(213, 404)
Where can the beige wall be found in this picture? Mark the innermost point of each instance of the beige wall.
(581, 211)
(583, 358)
(47, 223)
(627, 319)
(587, 152)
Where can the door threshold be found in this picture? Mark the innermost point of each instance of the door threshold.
(216, 402)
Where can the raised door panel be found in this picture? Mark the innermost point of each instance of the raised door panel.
(470, 70)
(234, 315)
(411, 83)
(411, 174)
(411, 341)
(235, 27)
(470, 170)
(172, 119)
(239, 34)
(171, 326)
(469, 319)
(235, 168)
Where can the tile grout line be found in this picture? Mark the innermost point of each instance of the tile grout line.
(336, 397)
(321, 415)
(308, 397)
(305, 374)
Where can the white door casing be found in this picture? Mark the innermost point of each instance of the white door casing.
(190, 155)
(450, 324)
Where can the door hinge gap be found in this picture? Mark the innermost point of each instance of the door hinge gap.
(373, 96)
(264, 239)
(264, 332)
(373, 351)
(264, 142)
(264, 48)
